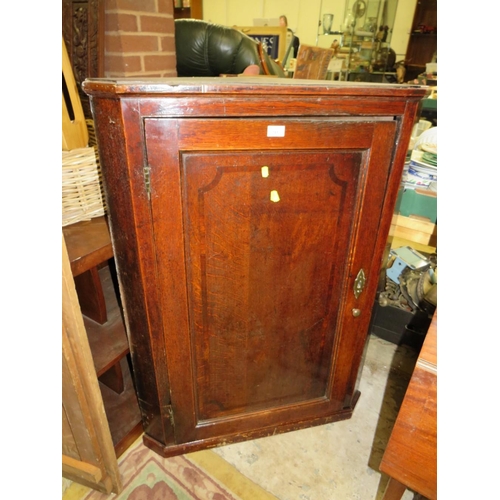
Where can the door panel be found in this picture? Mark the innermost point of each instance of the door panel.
(257, 245)
(261, 273)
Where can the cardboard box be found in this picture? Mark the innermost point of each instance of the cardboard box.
(415, 230)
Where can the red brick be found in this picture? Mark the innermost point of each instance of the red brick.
(171, 26)
(156, 74)
(121, 22)
(167, 74)
(120, 64)
(132, 43)
(167, 43)
(157, 24)
(166, 7)
(170, 73)
(136, 5)
(159, 62)
(111, 5)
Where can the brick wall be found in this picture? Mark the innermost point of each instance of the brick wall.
(139, 38)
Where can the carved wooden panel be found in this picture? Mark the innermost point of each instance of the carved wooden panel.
(83, 34)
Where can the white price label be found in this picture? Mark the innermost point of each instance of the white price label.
(275, 131)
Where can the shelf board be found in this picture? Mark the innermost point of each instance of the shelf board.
(108, 342)
(122, 412)
(88, 244)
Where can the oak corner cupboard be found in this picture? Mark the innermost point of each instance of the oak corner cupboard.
(249, 219)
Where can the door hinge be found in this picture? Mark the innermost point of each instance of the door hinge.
(147, 180)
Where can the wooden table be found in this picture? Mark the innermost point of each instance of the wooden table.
(410, 457)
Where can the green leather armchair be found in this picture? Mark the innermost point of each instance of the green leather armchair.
(207, 49)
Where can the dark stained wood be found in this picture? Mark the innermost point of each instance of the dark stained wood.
(238, 280)
(195, 11)
(90, 295)
(422, 44)
(182, 13)
(411, 454)
(131, 436)
(89, 244)
(113, 378)
(228, 239)
(425, 15)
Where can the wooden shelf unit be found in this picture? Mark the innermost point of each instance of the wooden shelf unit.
(92, 264)
(421, 45)
(122, 411)
(108, 341)
(88, 243)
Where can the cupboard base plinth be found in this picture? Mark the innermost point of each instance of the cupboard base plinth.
(172, 450)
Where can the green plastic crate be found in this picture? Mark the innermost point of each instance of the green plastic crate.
(414, 202)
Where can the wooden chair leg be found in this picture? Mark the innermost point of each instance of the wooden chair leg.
(394, 491)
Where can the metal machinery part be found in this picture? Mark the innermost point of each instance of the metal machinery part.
(416, 285)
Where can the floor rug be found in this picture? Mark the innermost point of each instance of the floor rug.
(200, 475)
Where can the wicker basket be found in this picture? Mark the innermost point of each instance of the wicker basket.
(82, 192)
(91, 131)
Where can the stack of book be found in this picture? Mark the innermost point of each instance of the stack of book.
(421, 170)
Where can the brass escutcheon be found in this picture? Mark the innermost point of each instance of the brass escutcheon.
(359, 283)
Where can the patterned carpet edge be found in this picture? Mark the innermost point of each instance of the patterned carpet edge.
(201, 475)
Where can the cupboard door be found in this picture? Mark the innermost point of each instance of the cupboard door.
(261, 228)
